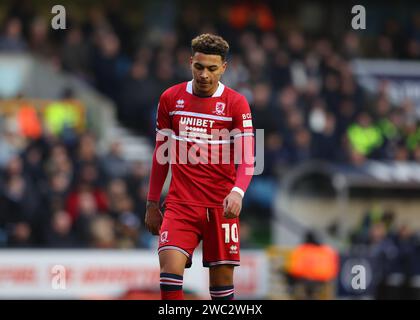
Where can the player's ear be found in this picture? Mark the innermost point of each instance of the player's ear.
(224, 66)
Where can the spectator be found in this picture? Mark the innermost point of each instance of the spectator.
(76, 52)
(114, 164)
(38, 38)
(110, 65)
(261, 108)
(326, 143)
(21, 236)
(32, 163)
(364, 137)
(102, 233)
(137, 94)
(8, 148)
(383, 253)
(127, 224)
(59, 234)
(12, 40)
(312, 265)
(19, 200)
(302, 145)
(86, 212)
(81, 198)
(117, 189)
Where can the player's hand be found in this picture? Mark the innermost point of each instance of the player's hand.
(232, 205)
(154, 217)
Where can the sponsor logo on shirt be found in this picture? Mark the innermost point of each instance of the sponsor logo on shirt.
(233, 249)
(190, 121)
(180, 103)
(247, 123)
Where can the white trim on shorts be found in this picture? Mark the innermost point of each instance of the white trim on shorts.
(163, 248)
(221, 262)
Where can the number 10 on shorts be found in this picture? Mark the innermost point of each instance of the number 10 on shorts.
(231, 232)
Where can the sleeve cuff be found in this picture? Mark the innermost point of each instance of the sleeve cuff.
(238, 190)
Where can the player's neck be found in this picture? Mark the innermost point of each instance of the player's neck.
(201, 94)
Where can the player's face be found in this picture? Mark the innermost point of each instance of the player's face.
(207, 70)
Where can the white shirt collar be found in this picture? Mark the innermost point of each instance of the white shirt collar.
(216, 94)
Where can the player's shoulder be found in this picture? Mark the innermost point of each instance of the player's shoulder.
(231, 92)
(174, 90)
(234, 96)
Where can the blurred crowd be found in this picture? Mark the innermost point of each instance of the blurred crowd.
(63, 194)
(300, 87)
(392, 250)
(61, 191)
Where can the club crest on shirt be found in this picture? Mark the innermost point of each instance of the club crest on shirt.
(220, 107)
(164, 237)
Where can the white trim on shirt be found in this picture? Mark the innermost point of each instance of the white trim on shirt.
(238, 190)
(202, 115)
(216, 94)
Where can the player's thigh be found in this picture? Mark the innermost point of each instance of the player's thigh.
(172, 261)
(221, 240)
(179, 231)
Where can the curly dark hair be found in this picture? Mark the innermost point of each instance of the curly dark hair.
(210, 44)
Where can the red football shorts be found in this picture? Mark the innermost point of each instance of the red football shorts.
(184, 226)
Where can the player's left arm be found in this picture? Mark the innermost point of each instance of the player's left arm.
(243, 134)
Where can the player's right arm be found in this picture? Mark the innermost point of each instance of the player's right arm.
(154, 217)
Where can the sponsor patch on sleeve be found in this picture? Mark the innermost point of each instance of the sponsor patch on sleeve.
(247, 123)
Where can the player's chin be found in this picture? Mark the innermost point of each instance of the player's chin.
(204, 85)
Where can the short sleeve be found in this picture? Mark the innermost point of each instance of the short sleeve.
(163, 120)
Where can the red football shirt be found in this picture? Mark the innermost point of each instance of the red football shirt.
(202, 131)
